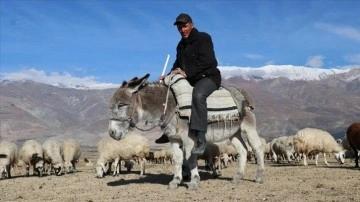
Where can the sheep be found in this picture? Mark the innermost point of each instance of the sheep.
(233, 154)
(349, 153)
(8, 158)
(164, 155)
(116, 163)
(216, 156)
(210, 155)
(315, 140)
(71, 153)
(282, 147)
(157, 156)
(31, 154)
(132, 145)
(267, 151)
(52, 156)
(353, 137)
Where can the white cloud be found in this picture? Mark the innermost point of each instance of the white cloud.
(315, 61)
(57, 79)
(343, 31)
(355, 58)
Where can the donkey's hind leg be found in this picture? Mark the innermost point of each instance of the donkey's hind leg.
(238, 143)
(248, 127)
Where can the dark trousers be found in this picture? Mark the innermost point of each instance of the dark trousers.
(202, 89)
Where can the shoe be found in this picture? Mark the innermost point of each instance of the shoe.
(201, 143)
(162, 140)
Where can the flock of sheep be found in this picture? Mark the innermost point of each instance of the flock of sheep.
(53, 157)
(308, 142)
(49, 157)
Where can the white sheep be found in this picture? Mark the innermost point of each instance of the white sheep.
(8, 158)
(31, 154)
(133, 145)
(316, 141)
(71, 153)
(52, 156)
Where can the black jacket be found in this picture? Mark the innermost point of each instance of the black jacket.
(195, 55)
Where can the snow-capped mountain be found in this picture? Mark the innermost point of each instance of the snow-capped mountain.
(65, 80)
(288, 71)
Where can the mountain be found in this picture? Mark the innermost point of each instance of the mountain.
(288, 71)
(282, 106)
(35, 110)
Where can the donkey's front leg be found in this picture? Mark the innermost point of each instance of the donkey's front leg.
(193, 166)
(195, 177)
(178, 157)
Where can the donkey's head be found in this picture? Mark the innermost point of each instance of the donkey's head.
(122, 107)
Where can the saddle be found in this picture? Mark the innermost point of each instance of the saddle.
(226, 103)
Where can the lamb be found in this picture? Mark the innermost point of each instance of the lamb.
(353, 137)
(133, 145)
(315, 140)
(52, 156)
(71, 153)
(8, 158)
(31, 154)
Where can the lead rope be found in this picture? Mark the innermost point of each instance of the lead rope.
(167, 97)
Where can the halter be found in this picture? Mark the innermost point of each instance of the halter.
(137, 99)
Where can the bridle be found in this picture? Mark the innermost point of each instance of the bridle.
(137, 101)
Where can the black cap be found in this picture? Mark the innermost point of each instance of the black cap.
(183, 18)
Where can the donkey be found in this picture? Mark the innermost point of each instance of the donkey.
(139, 105)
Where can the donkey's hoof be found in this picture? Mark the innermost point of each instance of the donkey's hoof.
(237, 178)
(173, 185)
(193, 186)
(259, 180)
(260, 177)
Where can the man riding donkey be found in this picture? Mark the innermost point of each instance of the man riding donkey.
(196, 61)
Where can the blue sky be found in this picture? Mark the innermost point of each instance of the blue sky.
(111, 41)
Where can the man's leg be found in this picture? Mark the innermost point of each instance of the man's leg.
(198, 120)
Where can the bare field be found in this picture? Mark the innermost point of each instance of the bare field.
(283, 182)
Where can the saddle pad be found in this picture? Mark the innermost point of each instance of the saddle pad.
(220, 103)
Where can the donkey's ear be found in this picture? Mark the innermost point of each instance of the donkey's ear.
(136, 84)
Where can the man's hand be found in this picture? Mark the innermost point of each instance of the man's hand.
(161, 78)
(176, 71)
(179, 71)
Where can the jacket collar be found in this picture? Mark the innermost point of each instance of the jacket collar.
(191, 37)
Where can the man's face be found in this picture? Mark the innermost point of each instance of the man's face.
(185, 29)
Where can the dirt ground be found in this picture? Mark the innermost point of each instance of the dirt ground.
(283, 182)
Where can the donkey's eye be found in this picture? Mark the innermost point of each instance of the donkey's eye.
(122, 105)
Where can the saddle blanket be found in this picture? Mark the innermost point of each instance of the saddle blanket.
(220, 103)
